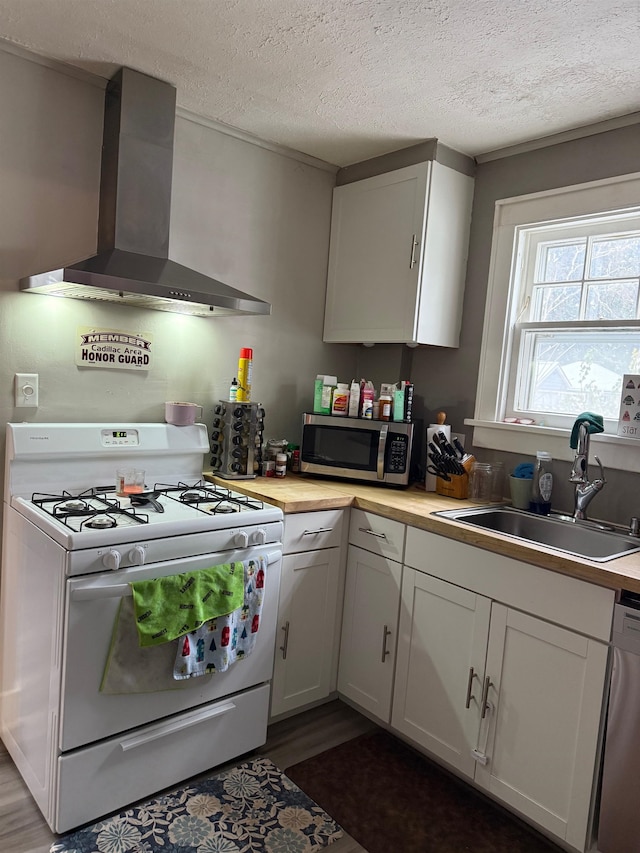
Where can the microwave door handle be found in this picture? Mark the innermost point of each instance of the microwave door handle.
(382, 446)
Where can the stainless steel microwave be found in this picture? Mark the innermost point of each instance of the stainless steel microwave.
(357, 449)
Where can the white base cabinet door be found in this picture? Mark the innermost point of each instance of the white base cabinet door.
(307, 614)
(369, 631)
(544, 704)
(442, 646)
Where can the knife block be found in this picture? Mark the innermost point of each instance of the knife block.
(456, 487)
(236, 440)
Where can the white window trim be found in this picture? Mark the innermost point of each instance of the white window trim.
(582, 199)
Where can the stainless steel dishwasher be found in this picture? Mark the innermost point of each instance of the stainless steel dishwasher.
(619, 828)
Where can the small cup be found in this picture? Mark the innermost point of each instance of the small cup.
(182, 414)
(129, 481)
(520, 491)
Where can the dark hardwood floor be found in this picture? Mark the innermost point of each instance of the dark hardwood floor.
(23, 829)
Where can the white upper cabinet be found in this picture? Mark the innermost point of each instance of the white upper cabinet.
(398, 257)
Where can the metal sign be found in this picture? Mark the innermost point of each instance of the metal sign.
(113, 348)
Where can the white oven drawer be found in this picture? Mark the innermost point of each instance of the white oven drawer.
(110, 775)
(310, 531)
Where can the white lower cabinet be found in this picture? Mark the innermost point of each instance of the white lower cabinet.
(369, 631)
(506, 697)
(441, 655)
(311, 584)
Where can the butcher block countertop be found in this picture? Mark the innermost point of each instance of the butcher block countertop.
(414, 506)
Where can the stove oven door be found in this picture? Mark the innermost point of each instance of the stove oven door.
(87, 715)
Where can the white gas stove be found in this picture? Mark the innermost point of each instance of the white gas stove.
(61, 477)
(71, 549)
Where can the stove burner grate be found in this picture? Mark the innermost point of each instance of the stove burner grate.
(77, 511)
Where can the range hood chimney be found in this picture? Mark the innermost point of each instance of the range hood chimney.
(132, 266)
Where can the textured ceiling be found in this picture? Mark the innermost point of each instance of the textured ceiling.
(346, 80)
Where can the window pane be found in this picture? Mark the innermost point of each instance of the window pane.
(612, 301)
(562, 262)
(557, 303)
(615, 257)
(571, 372)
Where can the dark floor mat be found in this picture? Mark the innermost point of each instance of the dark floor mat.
(390, 798)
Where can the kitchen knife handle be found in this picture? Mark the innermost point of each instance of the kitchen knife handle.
(458, 447)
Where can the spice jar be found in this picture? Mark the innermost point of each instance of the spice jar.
(281, 464)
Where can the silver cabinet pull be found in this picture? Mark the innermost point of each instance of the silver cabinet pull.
(470, 696)
(485, 693)
(284, 646)
(385, 650)
(414, 243)
(372, 532)
(319, 530)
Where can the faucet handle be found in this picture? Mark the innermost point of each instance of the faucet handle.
(602, 477)
(634, 526)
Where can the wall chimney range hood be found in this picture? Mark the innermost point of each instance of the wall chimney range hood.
(132, 266)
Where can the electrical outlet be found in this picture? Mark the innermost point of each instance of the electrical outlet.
(26, 390)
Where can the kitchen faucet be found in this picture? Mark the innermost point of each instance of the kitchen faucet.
(585, 490)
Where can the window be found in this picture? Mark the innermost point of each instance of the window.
(562, 319)
(576, 332)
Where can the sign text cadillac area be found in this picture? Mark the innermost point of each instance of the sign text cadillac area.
(113, 348)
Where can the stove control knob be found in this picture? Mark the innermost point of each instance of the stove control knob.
(260, 536)
(137, 555)
(241, 539)
(112, 559)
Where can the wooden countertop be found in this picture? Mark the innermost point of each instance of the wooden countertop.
(414, 506)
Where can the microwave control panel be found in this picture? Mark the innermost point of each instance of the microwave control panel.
(397, 451)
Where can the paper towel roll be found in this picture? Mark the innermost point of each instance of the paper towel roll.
(430, 480)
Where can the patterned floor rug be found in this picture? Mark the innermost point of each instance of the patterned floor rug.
(253, 808)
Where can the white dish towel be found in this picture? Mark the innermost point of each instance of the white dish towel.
(220, 642)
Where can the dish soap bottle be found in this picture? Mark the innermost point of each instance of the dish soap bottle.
(542, 485)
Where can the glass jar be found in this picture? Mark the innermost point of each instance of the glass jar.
(497, 483)
(481, 482)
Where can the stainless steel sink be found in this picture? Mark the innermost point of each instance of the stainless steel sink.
(579, 538)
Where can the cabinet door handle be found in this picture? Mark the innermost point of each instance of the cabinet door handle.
(319, 530)
(485, 693)
(470, 696)
(372, 532)
(285, 645)
(414, 243)
(385, 650)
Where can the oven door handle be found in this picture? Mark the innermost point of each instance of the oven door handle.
(122, 590)
(175, 726)
(93, 593)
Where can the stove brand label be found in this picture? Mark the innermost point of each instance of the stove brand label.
(113, 348)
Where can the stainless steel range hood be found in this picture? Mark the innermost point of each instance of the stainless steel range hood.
(132, 266)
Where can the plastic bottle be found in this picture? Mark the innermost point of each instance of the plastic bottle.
(340, 401)
(245, 369)
(233, 391)
(542, 485)
(386, 406)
